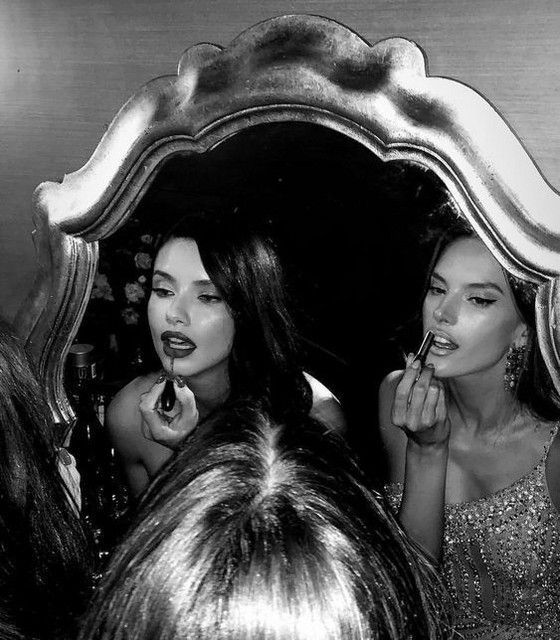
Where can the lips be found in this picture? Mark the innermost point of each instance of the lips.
(443, 344)
(176, 344)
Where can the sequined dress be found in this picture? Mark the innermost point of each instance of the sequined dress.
(501, 560)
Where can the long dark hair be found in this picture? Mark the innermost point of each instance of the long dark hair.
(243, 264)
(259, 530)
(535, 388)
(44, 569)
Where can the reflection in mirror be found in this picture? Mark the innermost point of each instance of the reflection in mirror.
(346, 227)
(470, 437)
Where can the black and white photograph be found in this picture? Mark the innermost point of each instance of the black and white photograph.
(279, 320)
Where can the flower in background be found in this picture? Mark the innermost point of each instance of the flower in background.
(134, 292)
(143, 260)
(142, 279)
(101, 288)
(130, 315)
(146, 238)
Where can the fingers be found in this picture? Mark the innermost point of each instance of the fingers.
(412, 393)
(441, 406)
(158, 426)
(421, 399)
(149, 401)
(429, 409)
(187, 418)
(402, 393)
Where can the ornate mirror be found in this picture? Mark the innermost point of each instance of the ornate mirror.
(339, 150)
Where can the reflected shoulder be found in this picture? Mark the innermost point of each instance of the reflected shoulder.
(394, 439)
(318, 389)
(386, 396)
(123, 415)
(326, 406)
(390, 382)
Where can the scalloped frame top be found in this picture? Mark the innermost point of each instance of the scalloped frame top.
(300, 68)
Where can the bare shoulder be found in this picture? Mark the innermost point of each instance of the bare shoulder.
(123, 417)
(386, 394)
(394, 439)
(326, 406)
(141, 457)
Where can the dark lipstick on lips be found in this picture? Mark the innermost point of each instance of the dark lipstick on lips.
(180, 348)
(422, 353)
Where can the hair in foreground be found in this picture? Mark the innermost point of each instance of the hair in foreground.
(535, 388)
(257, 530)
(243, 264)
(44, 569)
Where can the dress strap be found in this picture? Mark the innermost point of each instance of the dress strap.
(553, 432)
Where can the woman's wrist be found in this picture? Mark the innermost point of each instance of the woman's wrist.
(431, 450)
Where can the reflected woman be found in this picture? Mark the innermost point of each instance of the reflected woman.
(222, 332)
(473, 454)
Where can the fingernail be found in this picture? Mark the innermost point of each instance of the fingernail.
(180, 381)
(161, 378)
(416, 364)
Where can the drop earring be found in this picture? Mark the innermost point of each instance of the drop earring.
(515, 360)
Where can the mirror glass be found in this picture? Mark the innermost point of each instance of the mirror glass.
(348, 228)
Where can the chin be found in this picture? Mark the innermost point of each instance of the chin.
(192, 369)
(442, 369)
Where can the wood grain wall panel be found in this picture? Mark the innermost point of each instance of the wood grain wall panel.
(66, 67)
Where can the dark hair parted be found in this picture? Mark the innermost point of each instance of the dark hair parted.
(257, 530)
(535, 388)
(44, 569)
(243, 265)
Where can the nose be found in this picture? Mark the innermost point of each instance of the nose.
(178, 311)
(446, 312)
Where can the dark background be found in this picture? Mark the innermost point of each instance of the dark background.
(349, 230)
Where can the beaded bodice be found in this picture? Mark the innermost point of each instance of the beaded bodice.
(501, 560)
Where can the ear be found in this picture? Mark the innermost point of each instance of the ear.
(521, 335)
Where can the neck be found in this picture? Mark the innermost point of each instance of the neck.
(211, 389)
(481, 401)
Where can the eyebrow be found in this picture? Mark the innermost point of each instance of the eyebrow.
(474, 285)
(168, 276)
(163, 274)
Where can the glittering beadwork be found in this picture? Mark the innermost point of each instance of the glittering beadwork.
(501, 560)
(515, 361)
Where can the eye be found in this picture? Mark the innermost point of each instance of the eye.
(161, 292)
(482, 302)
(209, 298)
(434, 290)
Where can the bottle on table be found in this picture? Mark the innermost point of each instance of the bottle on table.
(103, 495)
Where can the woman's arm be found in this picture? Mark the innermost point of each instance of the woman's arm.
(123, 421)
(415, 433)
(142, 435)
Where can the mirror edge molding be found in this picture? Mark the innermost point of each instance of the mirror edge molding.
(281, 70)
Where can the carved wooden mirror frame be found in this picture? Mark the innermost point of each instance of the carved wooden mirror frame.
(304, 69)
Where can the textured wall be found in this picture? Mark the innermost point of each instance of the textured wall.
(66, 66)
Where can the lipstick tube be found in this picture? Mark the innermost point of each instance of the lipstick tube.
(422, 353)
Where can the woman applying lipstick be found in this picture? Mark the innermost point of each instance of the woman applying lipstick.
(221, 330)
(470, 438)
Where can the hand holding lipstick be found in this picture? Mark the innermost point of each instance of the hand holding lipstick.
(419, 406)
(168, 430)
